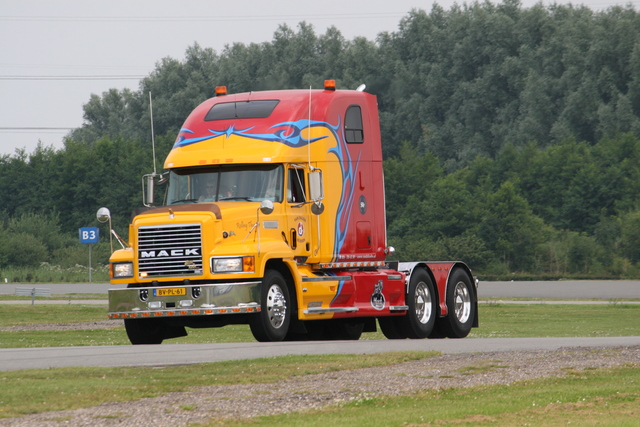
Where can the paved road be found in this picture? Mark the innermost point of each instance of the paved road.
(597, 291)
(569, 289)
(177, 354)
(170, 354)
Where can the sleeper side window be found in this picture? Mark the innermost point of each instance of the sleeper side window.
(353, 130)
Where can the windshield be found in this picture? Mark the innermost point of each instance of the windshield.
(253, 183)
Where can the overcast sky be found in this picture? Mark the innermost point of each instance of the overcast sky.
(55, 54)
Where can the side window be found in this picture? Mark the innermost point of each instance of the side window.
(295, 190)
(353, 132)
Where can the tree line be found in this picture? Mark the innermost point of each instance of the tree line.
(510, 134)
(571, 209)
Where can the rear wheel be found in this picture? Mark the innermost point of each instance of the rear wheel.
(272, 322)
(390, 328)
(461, 306)
(421, 299)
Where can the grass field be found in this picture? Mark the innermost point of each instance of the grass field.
(599, 397)
(496, 321)
(602, 398)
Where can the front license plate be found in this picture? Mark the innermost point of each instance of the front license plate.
(169, 292)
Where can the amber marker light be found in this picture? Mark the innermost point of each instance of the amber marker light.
(221, 90)
(330, 85)
(248, 264)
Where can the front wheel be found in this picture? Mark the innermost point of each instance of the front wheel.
(144, 331)
(461, 306)
(272, 322)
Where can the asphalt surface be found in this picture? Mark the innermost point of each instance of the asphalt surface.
(173, 354)
(564, 289)
(605, 290)
(178, 354)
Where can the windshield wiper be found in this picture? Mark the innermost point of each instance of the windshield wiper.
(248, 199)
(184, 201)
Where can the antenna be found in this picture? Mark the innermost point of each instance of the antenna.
(309, 133)
(153, 140)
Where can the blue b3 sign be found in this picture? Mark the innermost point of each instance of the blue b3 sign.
(89, 234)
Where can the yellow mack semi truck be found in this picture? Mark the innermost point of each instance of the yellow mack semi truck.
(274, 216)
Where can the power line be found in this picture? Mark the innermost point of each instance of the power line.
(235, 18)
(95, 77)
(198, 18)
(34, 129)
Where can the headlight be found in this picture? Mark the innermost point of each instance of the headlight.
(232, 265)
(122, 269)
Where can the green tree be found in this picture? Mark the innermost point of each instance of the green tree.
(510, 229)
(630, 236)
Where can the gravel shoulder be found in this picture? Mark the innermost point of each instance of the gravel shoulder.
(302, 393)
(99, 324)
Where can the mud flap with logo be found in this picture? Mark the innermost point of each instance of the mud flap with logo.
(373, 294)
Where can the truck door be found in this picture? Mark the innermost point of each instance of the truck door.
(299, 226)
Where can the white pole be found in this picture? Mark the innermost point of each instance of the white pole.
(90, 278)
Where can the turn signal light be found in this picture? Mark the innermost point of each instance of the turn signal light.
(248, 263)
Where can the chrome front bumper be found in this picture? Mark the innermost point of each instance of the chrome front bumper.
(186, 300)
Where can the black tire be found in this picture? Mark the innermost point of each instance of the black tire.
(314, 330)
(272, 322)
(144, 331)
(390, 328)
(348, 329)
(422, 301)
(461, 306)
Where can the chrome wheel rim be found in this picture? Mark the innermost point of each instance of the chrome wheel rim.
(462, 302)
(276, 306)
(423, 303)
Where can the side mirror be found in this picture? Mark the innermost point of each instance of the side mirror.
(316, 191)
(103, 215)
(316, 185)
(317, 208)
(266, 207)
(148, 189)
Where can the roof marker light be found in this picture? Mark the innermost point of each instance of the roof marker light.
(221, 90)
(330, 85)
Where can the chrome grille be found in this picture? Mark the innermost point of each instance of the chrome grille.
(170, 250)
